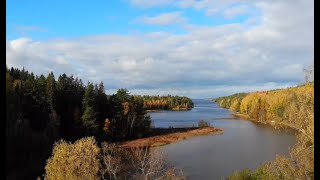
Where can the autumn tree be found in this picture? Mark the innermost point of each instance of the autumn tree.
(152, 164)
(79, 160)
(112, 161)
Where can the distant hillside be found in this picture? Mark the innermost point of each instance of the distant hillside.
(293, 107)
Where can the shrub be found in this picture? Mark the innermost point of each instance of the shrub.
(203, 124)
(74, 161)
(241, 175)
(246, 174)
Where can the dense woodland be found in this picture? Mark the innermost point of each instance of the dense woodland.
(41, 110)
(167, 102)
(292, 107)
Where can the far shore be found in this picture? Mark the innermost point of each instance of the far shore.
(271, 123)
(174, 109)
(164, 136)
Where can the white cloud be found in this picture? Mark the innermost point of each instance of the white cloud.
(204, 62)
(235, 11)
(163, 19)
(18, 43)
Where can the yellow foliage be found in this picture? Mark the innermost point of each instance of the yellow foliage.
(106, 127)
(235, 105)
(125, 106)
(293, 107)
(74, 161)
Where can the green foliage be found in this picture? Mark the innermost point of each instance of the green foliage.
(241, 175)
(260, 174)
(42, 110)
(51, 91)
(74, 161)
(88, 98)
(122, 95)
(89, 120)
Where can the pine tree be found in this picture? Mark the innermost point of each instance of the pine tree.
(89, 120)
(51, 91)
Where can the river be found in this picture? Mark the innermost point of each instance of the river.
(243, 144)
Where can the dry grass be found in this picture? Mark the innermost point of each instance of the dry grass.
(161, 140)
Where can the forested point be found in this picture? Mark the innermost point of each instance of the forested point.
(291, 107)
(41, 110)
(166, 102)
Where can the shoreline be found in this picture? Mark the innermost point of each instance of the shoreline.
(159, 110)
(164, 136)
(273, 124)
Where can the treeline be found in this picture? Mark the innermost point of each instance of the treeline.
(279, 106)
(41, 110)
(166, 102)
(231, 102)
(293, 107)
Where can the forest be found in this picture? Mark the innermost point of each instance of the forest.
(291, 107)
(41, 110)
(166, 102)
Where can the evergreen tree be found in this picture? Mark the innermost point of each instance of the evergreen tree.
(89, 120)
(51, 91)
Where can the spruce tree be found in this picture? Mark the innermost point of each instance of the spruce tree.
(51, 91)
(89, 120)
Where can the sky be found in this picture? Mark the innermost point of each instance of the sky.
(194, 48)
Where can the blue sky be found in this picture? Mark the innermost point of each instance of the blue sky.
(197, 48)
(65, 19)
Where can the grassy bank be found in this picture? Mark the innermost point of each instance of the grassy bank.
(161, 137)
(291, 107)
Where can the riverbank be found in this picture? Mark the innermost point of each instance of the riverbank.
(173, 109)
(271, 123)
(291, 108)
(164, 136)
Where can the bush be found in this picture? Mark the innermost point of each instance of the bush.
(203, 124)
(74, 161)
(246, 174)
(85, 160)
(241, 175)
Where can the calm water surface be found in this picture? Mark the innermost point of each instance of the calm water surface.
(244, 144)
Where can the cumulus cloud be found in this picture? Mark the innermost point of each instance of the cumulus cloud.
(163, 19)
(206, 61)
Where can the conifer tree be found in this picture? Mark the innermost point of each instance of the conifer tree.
(51, 91)
(89, 120)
